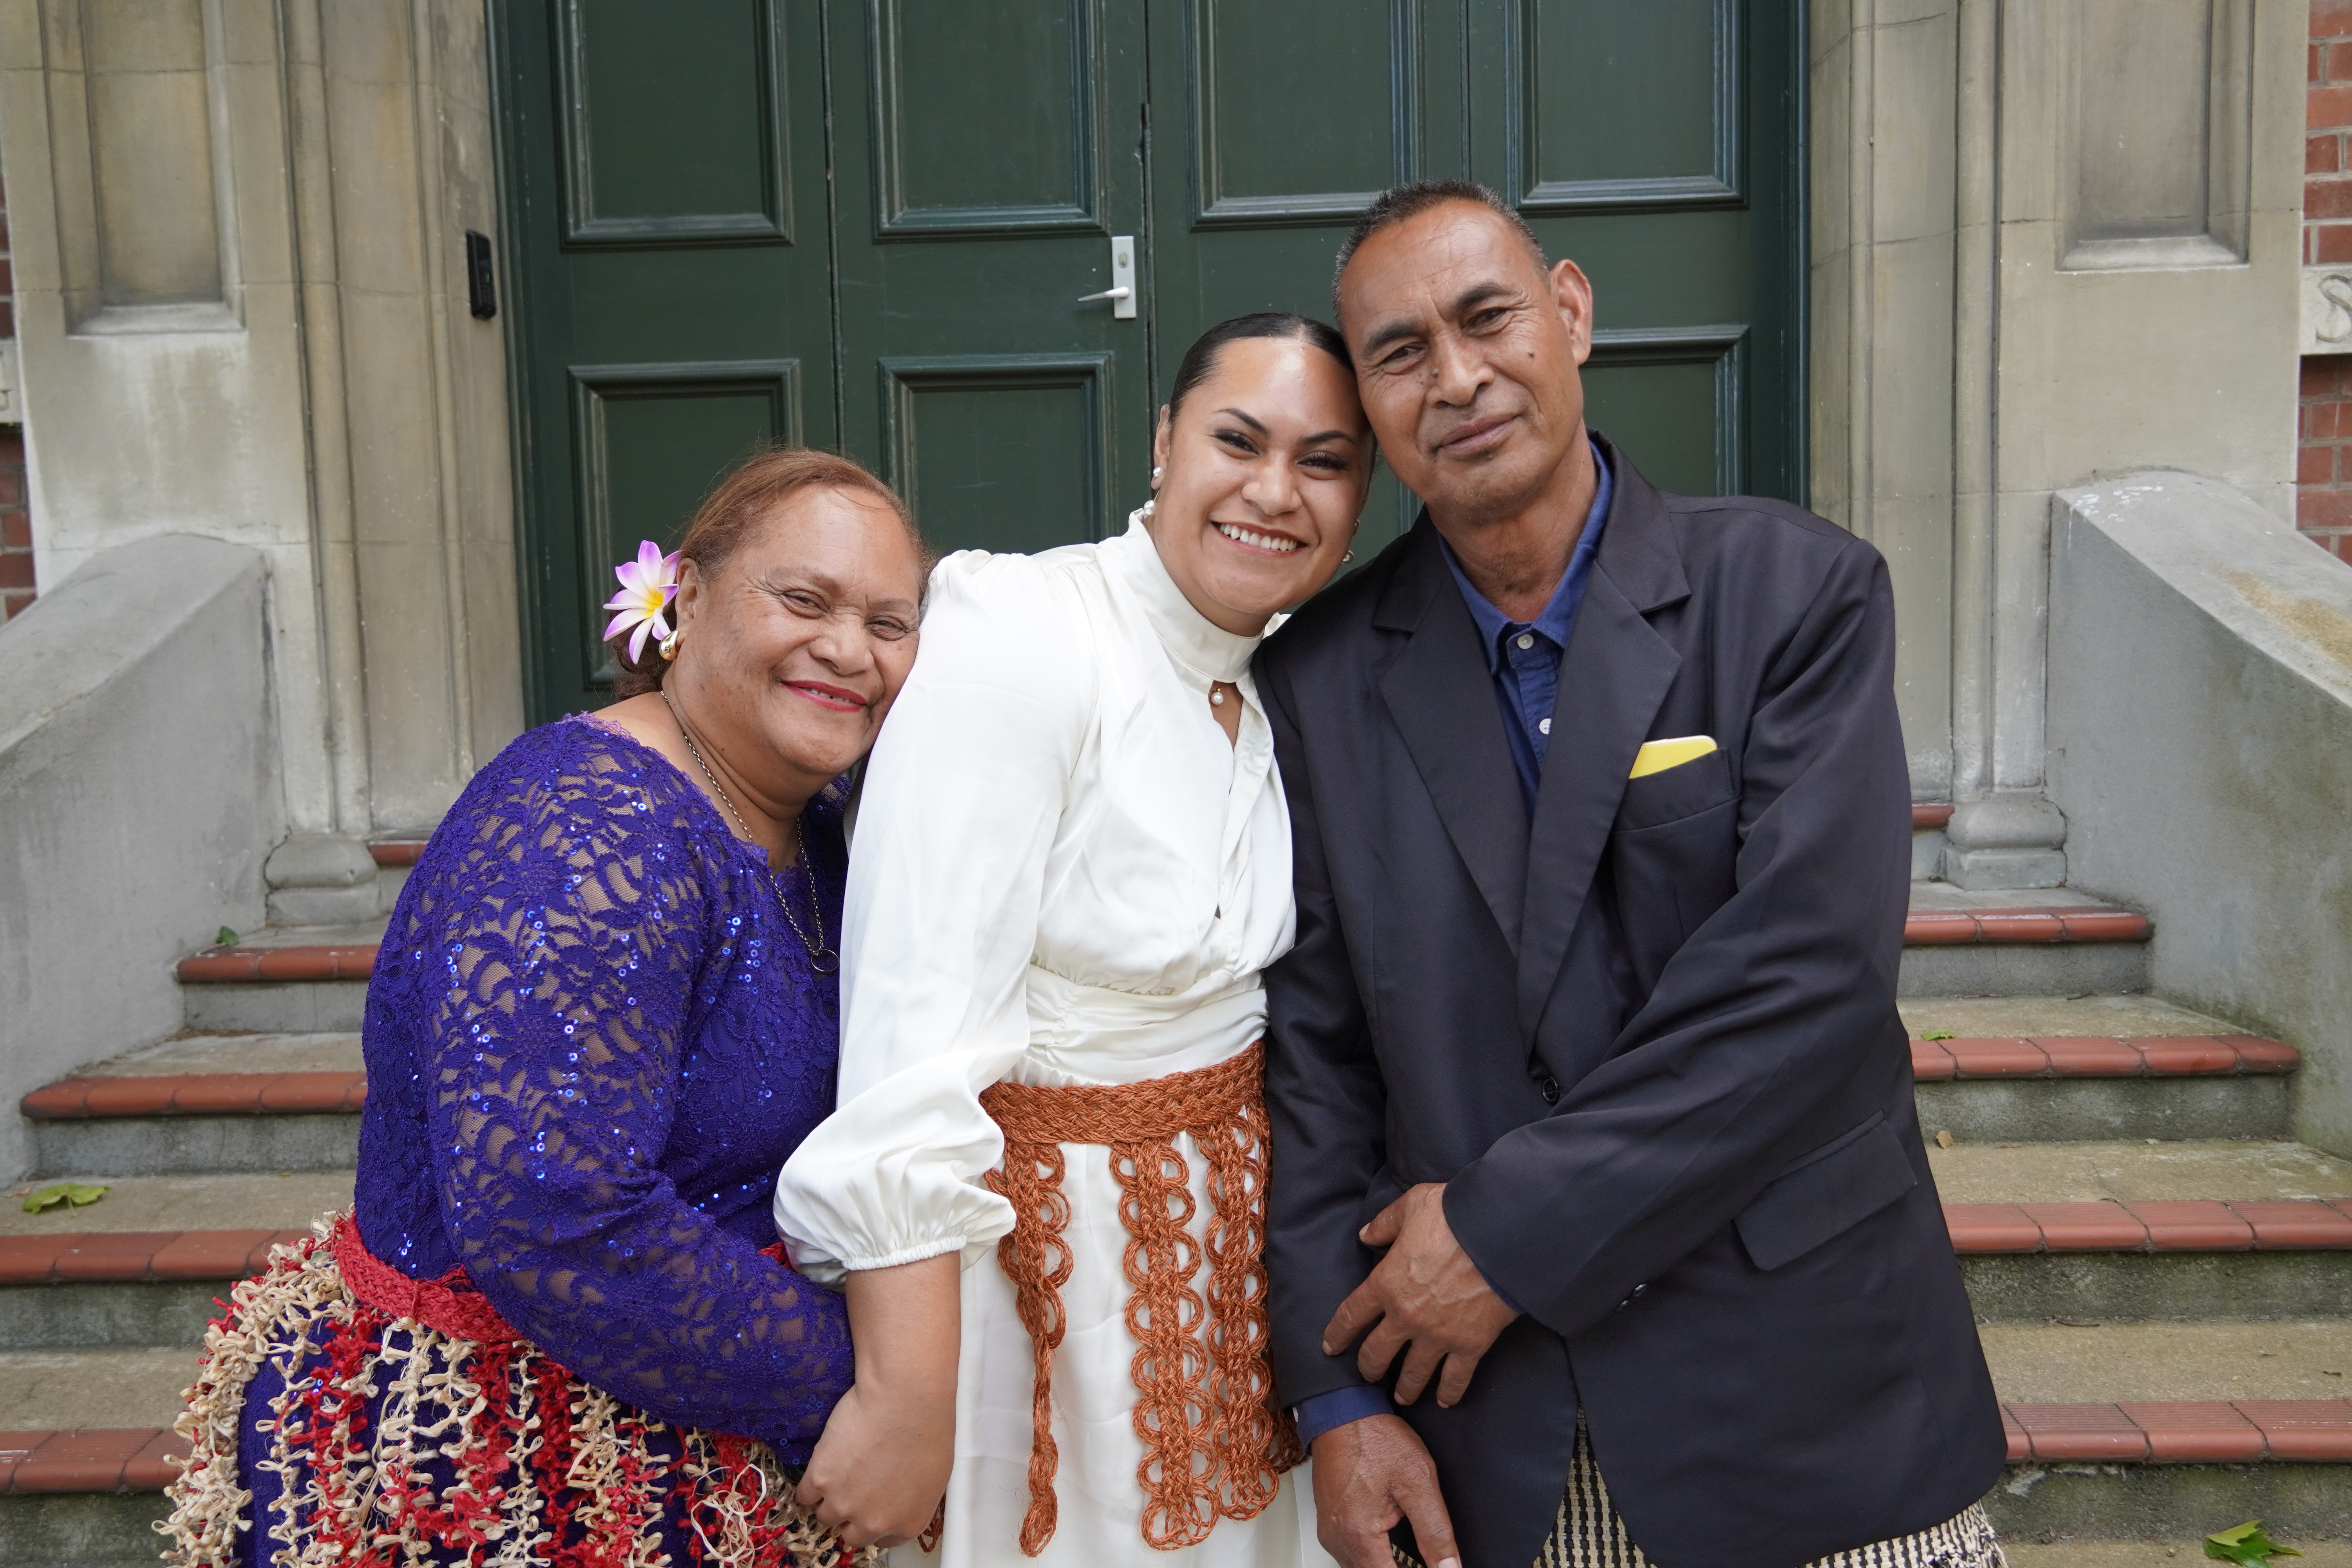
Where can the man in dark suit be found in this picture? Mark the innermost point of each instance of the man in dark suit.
(1594, 1157)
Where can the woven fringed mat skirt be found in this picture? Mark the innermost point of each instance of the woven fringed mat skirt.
(1588, 1533)
(346, 1414)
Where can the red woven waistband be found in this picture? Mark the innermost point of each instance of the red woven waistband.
(449, 1304)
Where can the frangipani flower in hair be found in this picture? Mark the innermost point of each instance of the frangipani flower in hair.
(647, 585)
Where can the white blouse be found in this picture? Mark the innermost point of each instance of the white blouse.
(1063, 873)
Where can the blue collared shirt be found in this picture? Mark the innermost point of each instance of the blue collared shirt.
(1524, 658)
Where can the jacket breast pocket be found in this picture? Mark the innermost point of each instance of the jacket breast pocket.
(1657, 799)
(1673, 856)
(1830, 1193)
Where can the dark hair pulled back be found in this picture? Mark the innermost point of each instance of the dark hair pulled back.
(1200, 360)
(743, 499)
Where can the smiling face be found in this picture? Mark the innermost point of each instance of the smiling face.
(1467, 354)
(792, 652)
(1264, 465)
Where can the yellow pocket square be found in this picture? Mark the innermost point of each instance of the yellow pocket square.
(1658, 756)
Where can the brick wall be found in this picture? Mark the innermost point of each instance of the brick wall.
(15, 521)
(2324, 462)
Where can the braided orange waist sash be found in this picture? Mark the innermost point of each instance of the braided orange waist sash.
(1214, 1446)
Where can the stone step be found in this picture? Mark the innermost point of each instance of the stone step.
(2178, 1074)
(89, 1499)
(282, 979)
(2138, 1470)
(205, 1103)
(2051, 942)
(2157, 1429)
(123, 1289)
(2105, 1230)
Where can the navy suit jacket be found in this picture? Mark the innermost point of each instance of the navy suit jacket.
(1647, 1040)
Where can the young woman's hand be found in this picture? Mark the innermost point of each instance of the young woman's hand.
(881, 1466)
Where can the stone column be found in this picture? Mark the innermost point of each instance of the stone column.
(2052, 240)
(239, 231)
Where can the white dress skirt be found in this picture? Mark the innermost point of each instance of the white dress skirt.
(1062, 874)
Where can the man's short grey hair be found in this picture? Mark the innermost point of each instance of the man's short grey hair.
(1397, 203)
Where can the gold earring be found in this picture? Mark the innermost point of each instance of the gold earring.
(669, 644)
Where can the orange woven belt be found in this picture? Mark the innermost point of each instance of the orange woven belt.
(1214, 1447)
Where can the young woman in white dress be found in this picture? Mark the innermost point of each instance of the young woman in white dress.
(1045, 1183)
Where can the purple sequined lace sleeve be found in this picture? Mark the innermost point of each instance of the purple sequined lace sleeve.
(608, 1017)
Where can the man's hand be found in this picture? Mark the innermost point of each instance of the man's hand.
(881, 1465)
(1425, 1297)
(1369, 1475)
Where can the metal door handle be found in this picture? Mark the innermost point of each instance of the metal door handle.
(1121, 292)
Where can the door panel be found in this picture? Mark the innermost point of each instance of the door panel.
(662, 318)
(1657, 144)
(1000, 152)
(961, 432)
(1263, 151)
(1023, 69)
(644, 436)
(643, 162)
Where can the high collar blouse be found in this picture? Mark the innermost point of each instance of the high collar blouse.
(1062, 873)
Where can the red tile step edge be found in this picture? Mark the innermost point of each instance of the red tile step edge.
(2081, 922)
(100, 1459)
(231, 965)
(2186, 1432)
(138, 1255)
(1929, 818)
(2301, 1224)
(198, 1094)
(2095, 1055)
(406, 851)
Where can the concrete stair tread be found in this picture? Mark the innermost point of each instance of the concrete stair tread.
(190, 1052)
(101, 1388)
(1939, 896)
(2187, 1171)
(356, 934)
(1998, 1018)
(269, 1201)
(2096, 1360)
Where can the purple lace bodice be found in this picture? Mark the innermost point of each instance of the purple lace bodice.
(591, 1040)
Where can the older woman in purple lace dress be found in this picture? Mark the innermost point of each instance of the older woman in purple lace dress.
(555, 1328)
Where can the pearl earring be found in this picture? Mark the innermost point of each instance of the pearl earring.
(1155, 473)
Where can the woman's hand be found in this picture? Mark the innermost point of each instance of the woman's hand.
(881, 1466)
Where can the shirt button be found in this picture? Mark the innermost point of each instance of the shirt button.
(1544, 725)
(1526, 640)
(1550, 1089)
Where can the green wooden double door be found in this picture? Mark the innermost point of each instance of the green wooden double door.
(871, 224)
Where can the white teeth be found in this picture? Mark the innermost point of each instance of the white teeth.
(1257, 540)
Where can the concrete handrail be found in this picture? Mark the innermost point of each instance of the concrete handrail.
(2200, 743)
(139, 793)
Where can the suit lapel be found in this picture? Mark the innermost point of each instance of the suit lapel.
(1442, 699)
(1615, 673)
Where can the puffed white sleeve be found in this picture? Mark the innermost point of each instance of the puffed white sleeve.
(956, 817)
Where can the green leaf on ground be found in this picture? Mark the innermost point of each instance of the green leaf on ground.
(228, 937)
(2247, 1544)
(1938, 1034)
(66, 1193)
